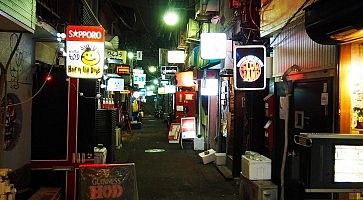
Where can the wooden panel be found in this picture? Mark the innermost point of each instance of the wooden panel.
(20, 10)
(344, 98)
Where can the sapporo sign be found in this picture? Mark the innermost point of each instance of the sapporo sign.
(249, 69)
(107, 181)
(85, 51)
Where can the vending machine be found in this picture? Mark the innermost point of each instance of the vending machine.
(185, 104)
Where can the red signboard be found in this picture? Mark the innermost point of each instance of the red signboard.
(85, 33)
(234, 4)
(122, 69)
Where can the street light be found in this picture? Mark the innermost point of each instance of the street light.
(152, 69)
(170, 18)
(130, 55)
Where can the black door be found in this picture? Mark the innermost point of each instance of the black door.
(311, 111)
(312, 106)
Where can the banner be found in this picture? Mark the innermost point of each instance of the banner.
(107, 181)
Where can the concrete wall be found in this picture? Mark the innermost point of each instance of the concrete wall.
(20, 87)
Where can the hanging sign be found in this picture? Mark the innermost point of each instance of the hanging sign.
(249, 69)
(85, 51)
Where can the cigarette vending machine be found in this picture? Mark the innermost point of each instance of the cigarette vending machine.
(185, 104)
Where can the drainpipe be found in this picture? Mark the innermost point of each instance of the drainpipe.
(293, 68)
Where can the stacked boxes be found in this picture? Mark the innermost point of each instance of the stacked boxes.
(255, 178)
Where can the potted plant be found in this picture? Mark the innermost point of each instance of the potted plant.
(359, 113)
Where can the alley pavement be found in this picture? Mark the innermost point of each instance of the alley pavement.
(172, 173)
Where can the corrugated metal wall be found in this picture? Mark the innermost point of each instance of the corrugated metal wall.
(293, 46)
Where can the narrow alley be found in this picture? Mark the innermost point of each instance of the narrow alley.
(174, 173)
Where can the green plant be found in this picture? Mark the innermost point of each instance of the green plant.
(358, 111)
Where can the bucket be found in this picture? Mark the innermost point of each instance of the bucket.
(220, 158)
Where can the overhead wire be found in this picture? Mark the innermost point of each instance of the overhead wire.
(289, 20)
(280, 41)
(41, 87)
(90, 10)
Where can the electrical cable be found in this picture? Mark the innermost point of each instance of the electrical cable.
(287, 35)
(41, 87)
(293, 68)
(89, 8)
(253, 21)
(119, 17)
(290, 19)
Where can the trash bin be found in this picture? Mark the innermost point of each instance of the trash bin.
(100, 154)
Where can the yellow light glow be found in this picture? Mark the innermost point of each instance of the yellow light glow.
(355, 77)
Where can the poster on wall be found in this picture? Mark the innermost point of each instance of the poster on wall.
(107, 181)
(357, 103)
(85, 51)
(249, 70)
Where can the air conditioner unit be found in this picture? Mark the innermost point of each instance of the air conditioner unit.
(334, 21)
(206, 9)
(192, 30)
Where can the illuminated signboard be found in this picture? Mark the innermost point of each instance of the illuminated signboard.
(249, 70)
(176, 56)
(118, 54)
(106, 181)
(169, 70)
(115, 84)
(122, 69)
(213, 45)
(188, 129)
(209, 87)
(85, 51)
(139, 79)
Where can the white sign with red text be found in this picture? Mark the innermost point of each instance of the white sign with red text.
(85, 51)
